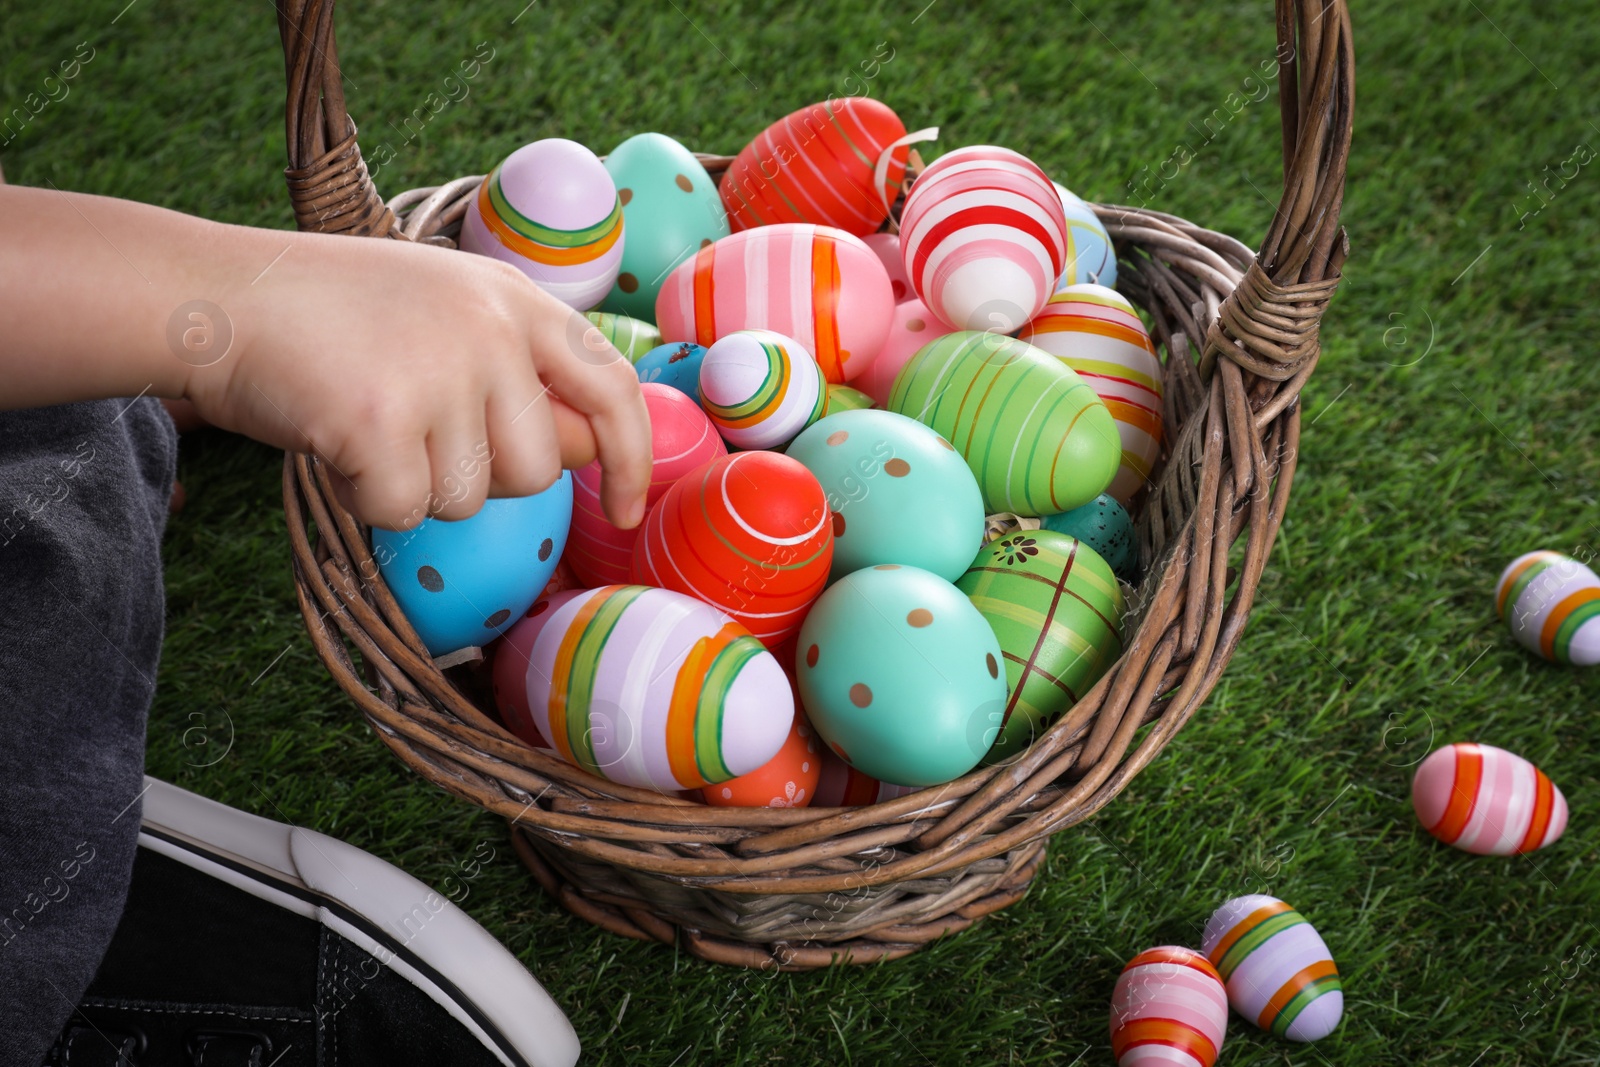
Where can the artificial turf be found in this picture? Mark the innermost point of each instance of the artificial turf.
(1453, 424)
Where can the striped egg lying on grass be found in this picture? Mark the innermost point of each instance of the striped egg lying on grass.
(1277, 969)
(1169, 1009)
(760, 388)
(1552, 604)
(655, 689)
(1486, 800)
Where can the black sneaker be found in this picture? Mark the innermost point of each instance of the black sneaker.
(248, 943)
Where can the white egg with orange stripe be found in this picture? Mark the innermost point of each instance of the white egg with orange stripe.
(1169, 1009)
(655, 689)
(1552, 604)
(1277, 969)
(1486, 800)
(1096, 332)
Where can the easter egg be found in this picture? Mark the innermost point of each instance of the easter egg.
(901, 675)
(1090, 255)
(912, 328)
(1096, 332)
(676, 364)
(561, 579)
(551, 210)
(670, 208)
(682, 439)
(463, 583)
(819, 285)
(1486, 800)
(898, 491)
(760, 388)
(1552, 603)
(629, 336)
(1035, 434)
(651, 688)
(886, 246)
(1278, 972)
(1056, 609)
(509, 667)
(748, 533)
(842, 786)
(1105, 526)
(817, 165)
(984, 238)
(787, 780)
(1168, 1008)
(839, 398)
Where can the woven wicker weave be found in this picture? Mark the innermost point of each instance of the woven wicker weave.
(801, 888)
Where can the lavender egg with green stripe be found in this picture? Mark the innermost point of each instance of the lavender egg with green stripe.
(1038, 437)
(1552, 604)
(1277, 969)
(760, 388)
(655, 689)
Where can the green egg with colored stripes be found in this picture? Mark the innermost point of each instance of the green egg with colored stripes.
(631, 337)
(1057, 609)
(1039, 438)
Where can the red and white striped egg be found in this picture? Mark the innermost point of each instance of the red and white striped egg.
(984, 238)
(761, 388)
(1277, 969)
(682, 438)
(1169, 1009)
(1096, 332)
(1552, 604)
(819, 285)
(913, 327)
(1488, 801)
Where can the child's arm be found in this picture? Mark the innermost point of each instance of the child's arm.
(405, 367)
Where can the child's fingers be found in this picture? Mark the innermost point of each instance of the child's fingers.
(524, 453)
(456, 458)
(575, 435)
(389, 485)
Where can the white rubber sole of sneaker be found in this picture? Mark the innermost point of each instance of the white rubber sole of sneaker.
(410, 928)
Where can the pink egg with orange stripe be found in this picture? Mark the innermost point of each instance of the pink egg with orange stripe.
(1277, 969)
(1552, 604)
(1488, 801)
(1096, 332)
(818, 285)
(655, 689)
(984, 238)
(1169, 1009)
(681, 439)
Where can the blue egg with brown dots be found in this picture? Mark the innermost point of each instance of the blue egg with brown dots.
(463, 583)
(901, 675)
(1105, 526)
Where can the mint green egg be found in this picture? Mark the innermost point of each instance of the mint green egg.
(670, 208)
(901, 675)
(899, 493)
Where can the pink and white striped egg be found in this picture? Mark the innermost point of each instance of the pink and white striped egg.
(984, 238)
(1488, 801)
(1169, 1009)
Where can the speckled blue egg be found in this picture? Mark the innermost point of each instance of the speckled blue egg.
(463, 583)
(676, 365)
(901, 675)
(1105, 526)
(899, 492)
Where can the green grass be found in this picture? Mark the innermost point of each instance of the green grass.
(1453, 424)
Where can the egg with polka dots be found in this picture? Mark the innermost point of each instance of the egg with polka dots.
(901, 675)
(464, 583)
(898, 491)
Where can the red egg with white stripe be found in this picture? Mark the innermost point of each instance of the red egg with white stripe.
(509, 668)
(821, 286)
(913, 327)
(1488, 801)
(1096, 332)
(1169, 1008)
(984, 238)
(749, 533)
(682, 438)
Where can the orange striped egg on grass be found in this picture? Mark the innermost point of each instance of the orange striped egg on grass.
(818, 285)
(682, 439)
(1488, 801)
(749, 533)
(552, 211)
(1169, 1008)
(761, 388)
(1036, 435)
(1096, 332)
(1278, 971)
(655, 689)
(819, 164)
(1552, 604)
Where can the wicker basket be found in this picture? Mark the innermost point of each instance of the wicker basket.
(803, 888)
